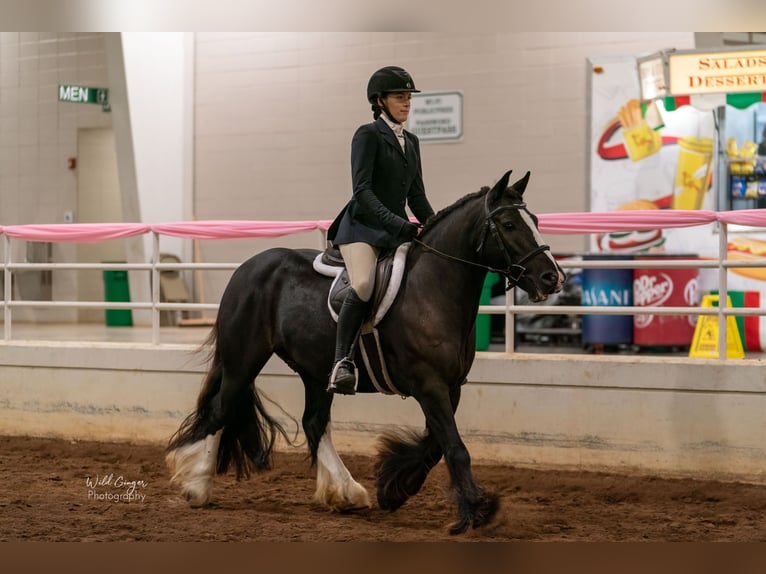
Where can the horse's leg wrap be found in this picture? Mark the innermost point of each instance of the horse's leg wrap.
(350, 319)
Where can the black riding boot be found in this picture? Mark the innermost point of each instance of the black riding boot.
(350, 319)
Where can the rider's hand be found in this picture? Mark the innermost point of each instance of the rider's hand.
(409, 231)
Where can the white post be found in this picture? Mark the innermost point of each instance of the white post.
(155, 288)
(510, 320)
(7, 287)
(722, 290)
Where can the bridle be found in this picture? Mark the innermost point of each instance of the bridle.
(513, 271)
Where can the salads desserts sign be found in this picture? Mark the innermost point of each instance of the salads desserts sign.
(718, 72)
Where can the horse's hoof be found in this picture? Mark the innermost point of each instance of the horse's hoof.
(353, 509)
(481, 515)
(389, 502)
(353, 499)
(198, 493)
(192, 466)
(459, 527)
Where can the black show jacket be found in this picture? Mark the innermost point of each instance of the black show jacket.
(384, 180)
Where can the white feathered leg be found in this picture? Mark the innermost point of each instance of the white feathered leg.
(193, 467)
(335, 486)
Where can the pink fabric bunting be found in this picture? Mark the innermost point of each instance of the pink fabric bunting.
(223, 229)
(748, 217)
(605, 222)
(552, 223)
(75, 232)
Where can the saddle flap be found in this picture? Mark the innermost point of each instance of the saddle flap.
(388, 278)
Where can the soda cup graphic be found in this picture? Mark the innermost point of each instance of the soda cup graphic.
(694, 155)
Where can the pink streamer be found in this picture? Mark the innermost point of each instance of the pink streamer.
(223, 229)
(553, 223)
(75, 232)
(604, 222)
(749, 217)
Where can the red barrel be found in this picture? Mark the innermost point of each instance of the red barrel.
(665, 288)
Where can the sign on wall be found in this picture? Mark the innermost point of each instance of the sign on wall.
(437, 116)
(717, 72)
(84, 95)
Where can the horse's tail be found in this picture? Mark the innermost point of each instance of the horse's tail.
(248, 432)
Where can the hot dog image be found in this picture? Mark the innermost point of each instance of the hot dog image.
(747, 249)
(633, 241)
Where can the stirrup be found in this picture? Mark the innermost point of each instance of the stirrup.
(343, 378)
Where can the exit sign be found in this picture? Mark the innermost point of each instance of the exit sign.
(83, 95)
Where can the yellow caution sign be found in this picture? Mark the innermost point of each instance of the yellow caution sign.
(705, 342)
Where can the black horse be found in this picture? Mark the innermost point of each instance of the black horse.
(275, 302)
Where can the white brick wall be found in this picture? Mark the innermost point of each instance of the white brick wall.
(276, 112)
(37, 132)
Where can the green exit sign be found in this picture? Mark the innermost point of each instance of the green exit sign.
(83, 95)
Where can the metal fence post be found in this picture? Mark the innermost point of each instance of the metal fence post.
(723, 290)
(7, 288)
(155, 288)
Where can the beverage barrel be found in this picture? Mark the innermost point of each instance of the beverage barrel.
(665, 288)
(607, 288)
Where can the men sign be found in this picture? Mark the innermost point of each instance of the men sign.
(84, 95)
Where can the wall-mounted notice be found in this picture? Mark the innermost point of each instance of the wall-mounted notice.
(437, 116)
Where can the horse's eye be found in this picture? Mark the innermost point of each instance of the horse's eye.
(508, 225)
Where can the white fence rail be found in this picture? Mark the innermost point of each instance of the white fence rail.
(614, 221)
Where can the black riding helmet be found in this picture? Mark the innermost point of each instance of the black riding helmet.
(389, 79)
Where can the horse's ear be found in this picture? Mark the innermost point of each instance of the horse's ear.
(502, 184)
(521, 185)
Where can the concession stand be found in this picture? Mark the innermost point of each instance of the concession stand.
(677, 130)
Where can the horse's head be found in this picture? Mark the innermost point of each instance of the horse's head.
(511, 242)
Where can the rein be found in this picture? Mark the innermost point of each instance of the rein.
(514, 271)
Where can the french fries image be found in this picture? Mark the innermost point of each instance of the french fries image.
(640, 140)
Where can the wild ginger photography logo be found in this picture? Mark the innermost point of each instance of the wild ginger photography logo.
(115, 488)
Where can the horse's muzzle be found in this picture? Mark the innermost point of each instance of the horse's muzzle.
(549, 282)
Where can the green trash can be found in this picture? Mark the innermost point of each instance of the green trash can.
(116, 288)
(483, 326)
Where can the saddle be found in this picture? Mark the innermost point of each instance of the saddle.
(388, 280)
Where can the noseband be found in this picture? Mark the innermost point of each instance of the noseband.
(513, 272)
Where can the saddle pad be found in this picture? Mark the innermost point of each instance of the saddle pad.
(386, 291)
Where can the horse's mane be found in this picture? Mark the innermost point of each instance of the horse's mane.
(442, 213)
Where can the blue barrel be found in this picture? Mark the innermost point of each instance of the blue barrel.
(607, 288)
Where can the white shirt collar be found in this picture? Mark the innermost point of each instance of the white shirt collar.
(398, 129)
